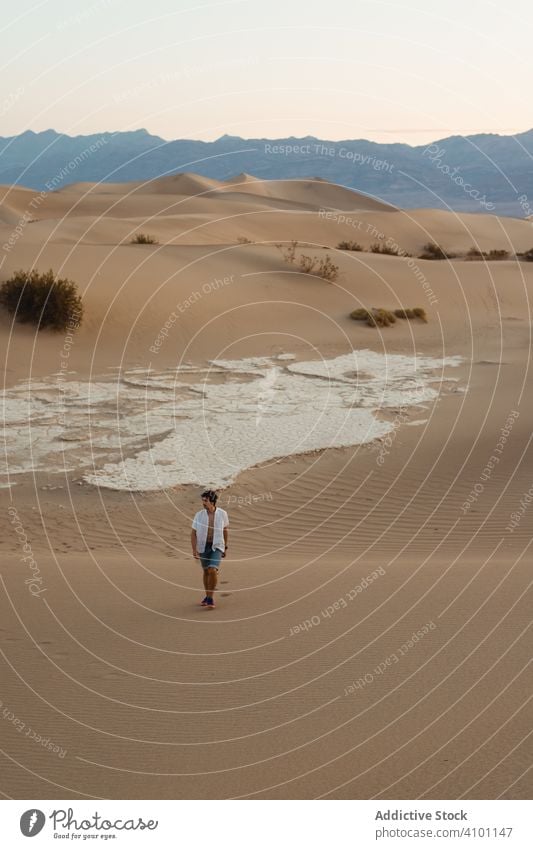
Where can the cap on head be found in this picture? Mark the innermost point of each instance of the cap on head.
(211, 495)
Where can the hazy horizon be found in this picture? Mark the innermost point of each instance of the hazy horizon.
(410, 143)
(358, 70)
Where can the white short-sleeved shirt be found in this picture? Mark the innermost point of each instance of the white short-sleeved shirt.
(200, 525)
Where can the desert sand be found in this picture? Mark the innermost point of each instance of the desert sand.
(370, 638)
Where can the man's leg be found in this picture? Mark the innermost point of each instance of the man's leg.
(204, 561)
(212, 579)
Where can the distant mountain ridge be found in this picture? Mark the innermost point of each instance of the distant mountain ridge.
(479, 173)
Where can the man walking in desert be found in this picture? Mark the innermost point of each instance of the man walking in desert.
(209, 540)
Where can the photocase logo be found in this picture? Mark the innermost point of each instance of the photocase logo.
(32, 822)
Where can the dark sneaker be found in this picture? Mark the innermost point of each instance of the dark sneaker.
(210, 603)
(204, 601)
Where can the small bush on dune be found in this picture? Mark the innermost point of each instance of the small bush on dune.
(411, 312)
(527, 255)
(434, 251)
(376, 317)
(388, 250)
(495, 254)
(324, 268)
(42, 299)
(321, 267)
(144, 239)
(380, 317)
(381, 248)
(360, 314)
(349, 246)
(404, 313)
(288, 253)
(327, 269)
(307, 264)
(242, 240)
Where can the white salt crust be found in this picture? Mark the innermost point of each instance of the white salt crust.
(147, 430)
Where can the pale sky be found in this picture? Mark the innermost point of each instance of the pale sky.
(393, 71)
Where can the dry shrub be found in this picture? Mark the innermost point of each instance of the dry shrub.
(42, 299)
(289, 254)
(388, 250)
(382, 248)
(494, 254)
(349, 246)
(360, 314)
(321, 267)
(376, 317)
(144, 239)
(324, 268)
(404, 313)
(433, 251)
(411, 312)
(307, 264)
(382, 317)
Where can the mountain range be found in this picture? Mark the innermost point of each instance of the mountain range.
(479, 173)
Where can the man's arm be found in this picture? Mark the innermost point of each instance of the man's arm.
(193, 543)
(225, 532)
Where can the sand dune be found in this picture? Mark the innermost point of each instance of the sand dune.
(180, 184)
(315, 193)
(111, 657)
(196, 210)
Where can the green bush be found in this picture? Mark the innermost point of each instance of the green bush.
(144, 239)
(360, 314)
(527, 255)
(404, 313)
(380, 317)
(414, 312)
(376, 317)
(42, 299)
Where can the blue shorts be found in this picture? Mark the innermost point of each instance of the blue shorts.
(210, 557)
